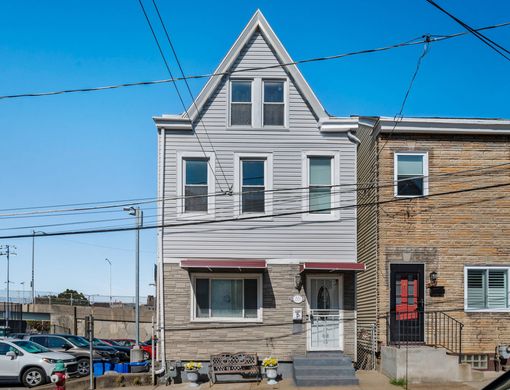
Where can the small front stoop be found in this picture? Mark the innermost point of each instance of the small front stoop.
(324, 369)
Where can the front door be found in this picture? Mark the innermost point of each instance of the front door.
(406, 303)
(325, 304)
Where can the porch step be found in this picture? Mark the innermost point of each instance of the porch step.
(324, 369)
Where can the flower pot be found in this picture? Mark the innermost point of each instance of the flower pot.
(192, 376)
(271, 373)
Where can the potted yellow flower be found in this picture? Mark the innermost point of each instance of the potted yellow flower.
(191, 369)
(271, 366)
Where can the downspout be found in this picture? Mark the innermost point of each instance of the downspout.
(353, 138)
(160, 275)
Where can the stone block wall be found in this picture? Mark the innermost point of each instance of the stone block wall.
(276, 336)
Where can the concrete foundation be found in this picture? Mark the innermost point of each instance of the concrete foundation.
(425, 365)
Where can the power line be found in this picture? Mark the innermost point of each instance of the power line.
(255, 217)
(189, 91)
(489, 42)
(435, 38)
(125, 203)
(399, 116)
(180, 97)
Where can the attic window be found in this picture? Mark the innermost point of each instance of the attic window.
(241, 103)
(274, 103)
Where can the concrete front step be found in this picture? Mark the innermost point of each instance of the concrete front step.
(317, 361)
(325, 381)
(324, 369)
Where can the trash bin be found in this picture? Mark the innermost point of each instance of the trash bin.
(136, 367)
(98, 369)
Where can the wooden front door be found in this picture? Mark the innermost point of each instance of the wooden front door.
(407, 303)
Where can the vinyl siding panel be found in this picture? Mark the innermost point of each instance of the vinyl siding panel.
(272, 238)
(367, 291)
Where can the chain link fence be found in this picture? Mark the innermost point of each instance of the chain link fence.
(367, 348)
(53, 298)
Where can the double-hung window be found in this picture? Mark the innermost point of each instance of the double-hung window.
(321, 177)
(411, 174)
(320, 180)
(240, 103)
(195, 187)
(253, 185)
(274, 103)
(227, 297)
(486, 288)
(195, 183)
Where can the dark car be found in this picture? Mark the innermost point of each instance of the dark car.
(123, 352)
(77, 346)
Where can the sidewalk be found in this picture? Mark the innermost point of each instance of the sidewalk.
(369, 380)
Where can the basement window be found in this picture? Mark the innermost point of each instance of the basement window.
(480, 362)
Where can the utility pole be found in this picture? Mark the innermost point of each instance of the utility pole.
(136, 353)
(6, 250)
(32, 282)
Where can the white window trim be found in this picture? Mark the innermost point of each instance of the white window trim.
(253, 102)
(229, 276)
(335, 180)
(268, 182)
(425, 173)
(494, 267)
(285, 103)
(181, 156)
(257, 103)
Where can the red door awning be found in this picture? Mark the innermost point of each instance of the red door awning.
(225, 264)
(332, 267)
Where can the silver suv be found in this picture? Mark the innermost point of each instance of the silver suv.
(29, 363)
(74, 345)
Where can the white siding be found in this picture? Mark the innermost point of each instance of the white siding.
(285, 237)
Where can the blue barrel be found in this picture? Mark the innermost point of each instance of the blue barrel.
(98, 369)
(108, 367)
(125, 368)
(119, 367)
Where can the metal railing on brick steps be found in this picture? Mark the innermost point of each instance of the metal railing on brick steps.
(432, 328)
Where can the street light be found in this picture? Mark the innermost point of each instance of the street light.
(110, 263)
(32, 283)
(138, 214)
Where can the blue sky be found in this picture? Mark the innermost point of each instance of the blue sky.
(102, 146)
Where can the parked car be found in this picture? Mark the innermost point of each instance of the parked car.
(123, 352)
(30, 363)
(147, 349)
(74, 345)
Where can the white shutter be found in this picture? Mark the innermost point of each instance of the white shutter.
(476, 288)
(497, 289)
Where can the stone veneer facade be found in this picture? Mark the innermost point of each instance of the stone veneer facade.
(276, 335)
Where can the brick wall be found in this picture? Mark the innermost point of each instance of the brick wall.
(446, 233)
(276, 336)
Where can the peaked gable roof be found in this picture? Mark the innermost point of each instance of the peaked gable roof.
(257, 23)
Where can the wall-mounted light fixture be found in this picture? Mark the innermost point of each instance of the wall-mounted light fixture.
(433, 278)
(298, 282)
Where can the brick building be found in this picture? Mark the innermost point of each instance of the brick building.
(435, 233)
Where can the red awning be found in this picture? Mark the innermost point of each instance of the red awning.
(332, 267)
(226, 264)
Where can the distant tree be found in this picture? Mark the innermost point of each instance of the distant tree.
(78, 298)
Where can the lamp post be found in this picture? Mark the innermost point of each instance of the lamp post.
(138, 214)
(110, 263)
(6, 250)
(32, 283)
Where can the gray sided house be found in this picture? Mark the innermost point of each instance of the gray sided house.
(260, 255)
